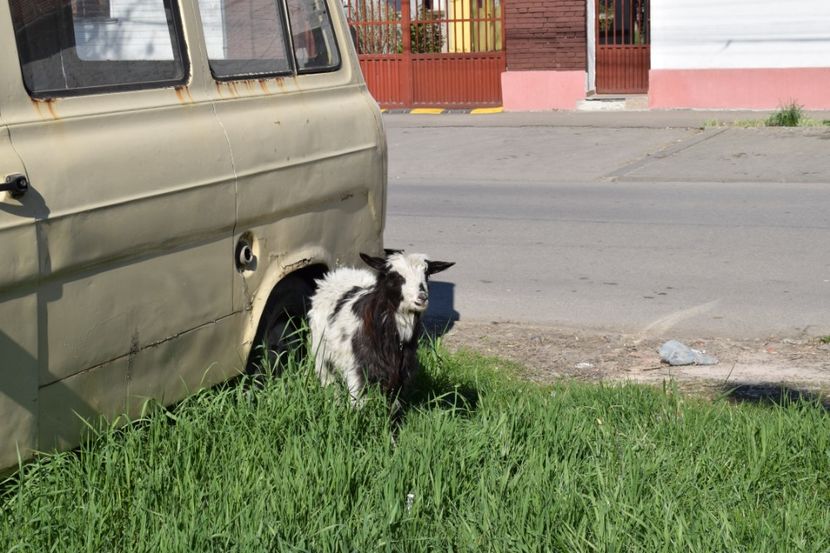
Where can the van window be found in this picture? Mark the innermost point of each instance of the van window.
(71, 46)
(314, 46)
(245, 37)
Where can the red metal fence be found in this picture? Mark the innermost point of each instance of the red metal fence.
(418, 53)
(623, 32)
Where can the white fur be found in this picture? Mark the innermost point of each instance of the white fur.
(413, 268)
(332, 341)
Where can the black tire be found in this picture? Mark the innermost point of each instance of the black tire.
(281, 335)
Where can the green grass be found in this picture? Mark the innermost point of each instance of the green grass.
(789, 115)
(482, 462)
(824, 339)
(741, 123)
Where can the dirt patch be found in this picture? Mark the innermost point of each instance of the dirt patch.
(761, 367)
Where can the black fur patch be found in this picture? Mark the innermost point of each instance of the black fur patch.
(342, 301)
(378, 348)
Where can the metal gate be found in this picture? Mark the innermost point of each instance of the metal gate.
(439, 53)
(623, 32)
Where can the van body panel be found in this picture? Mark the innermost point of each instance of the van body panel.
(171, 370)
(180, 366)
(18, 315)
(65, 405)
(18, 377)
(278, 158)
(134, 251)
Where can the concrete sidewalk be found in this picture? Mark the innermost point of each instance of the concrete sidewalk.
(612, 119)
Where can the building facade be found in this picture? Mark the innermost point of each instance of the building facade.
(740, 54)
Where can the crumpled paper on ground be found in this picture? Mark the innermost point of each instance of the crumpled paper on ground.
(677, 353)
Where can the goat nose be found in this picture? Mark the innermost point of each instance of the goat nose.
(422, 297)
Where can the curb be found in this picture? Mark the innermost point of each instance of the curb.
(442, 111)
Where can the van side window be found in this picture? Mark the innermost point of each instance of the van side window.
(245, 38)
(315, 48)
(71, 47)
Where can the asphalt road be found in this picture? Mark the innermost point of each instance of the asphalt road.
(677, 232)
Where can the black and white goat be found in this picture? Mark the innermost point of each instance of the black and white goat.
(365, 327)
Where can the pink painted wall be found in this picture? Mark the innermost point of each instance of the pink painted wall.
(739, 88)
(542, 90)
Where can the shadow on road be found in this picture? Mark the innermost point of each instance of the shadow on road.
(441, 314)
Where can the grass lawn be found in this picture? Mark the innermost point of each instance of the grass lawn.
(483, 462)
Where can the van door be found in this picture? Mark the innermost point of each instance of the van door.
(125, 153)
(18, 310)
(304, 132)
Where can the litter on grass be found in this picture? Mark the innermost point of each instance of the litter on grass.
(676, 354)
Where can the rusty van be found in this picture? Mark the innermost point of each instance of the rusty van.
(175, 174)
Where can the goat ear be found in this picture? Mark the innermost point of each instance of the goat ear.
(389, 252)
(376, 263)
(438, 266)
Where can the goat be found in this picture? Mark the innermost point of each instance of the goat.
(365, 327)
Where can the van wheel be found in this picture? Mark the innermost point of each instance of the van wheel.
(282, 330)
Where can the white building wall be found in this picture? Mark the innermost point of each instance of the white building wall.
(729, 34)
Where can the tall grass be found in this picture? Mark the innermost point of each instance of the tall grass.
(789, 115)
(480, 462)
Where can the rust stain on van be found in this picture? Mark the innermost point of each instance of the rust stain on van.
(226, 88)
(291, 267)
(280, 82)
(49, 104)
(183, 94)
(232, 88)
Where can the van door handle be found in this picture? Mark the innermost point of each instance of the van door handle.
(16, 184)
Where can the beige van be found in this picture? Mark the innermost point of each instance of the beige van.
(175, 174)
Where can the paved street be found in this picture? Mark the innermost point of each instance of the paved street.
(638, 223)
